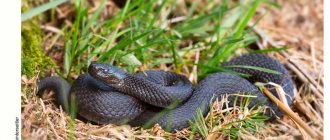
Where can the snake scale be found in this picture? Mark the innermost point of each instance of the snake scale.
(107, 94)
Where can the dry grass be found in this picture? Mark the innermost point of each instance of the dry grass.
(297, 24)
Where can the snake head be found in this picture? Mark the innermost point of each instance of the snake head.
(108, 74)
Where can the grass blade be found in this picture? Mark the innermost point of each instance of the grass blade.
(270, 50)
(42, 8)
(238, 34)
(255, 68)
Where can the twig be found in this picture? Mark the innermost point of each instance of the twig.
(52, 29)
(53, 129)
(193, 75)
(292, 115)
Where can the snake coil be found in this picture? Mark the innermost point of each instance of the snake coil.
(107, 94)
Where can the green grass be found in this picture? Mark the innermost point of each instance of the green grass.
(141, 35)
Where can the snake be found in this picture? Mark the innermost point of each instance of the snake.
(106, 94)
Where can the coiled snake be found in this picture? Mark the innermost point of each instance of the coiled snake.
(107, 94)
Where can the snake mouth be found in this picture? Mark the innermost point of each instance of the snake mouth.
(105, 73)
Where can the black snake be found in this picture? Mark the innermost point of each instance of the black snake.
(107, 94)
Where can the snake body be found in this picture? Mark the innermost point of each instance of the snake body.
(107, 94)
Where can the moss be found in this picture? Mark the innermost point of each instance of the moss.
(33, 58)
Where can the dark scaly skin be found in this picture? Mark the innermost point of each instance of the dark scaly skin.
(171, 88)
(104, 106)
(123, 98)
(206, 92)
(258, 76)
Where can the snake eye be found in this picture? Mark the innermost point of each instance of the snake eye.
(105, 70)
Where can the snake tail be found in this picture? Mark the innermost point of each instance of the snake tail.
(60, 87)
